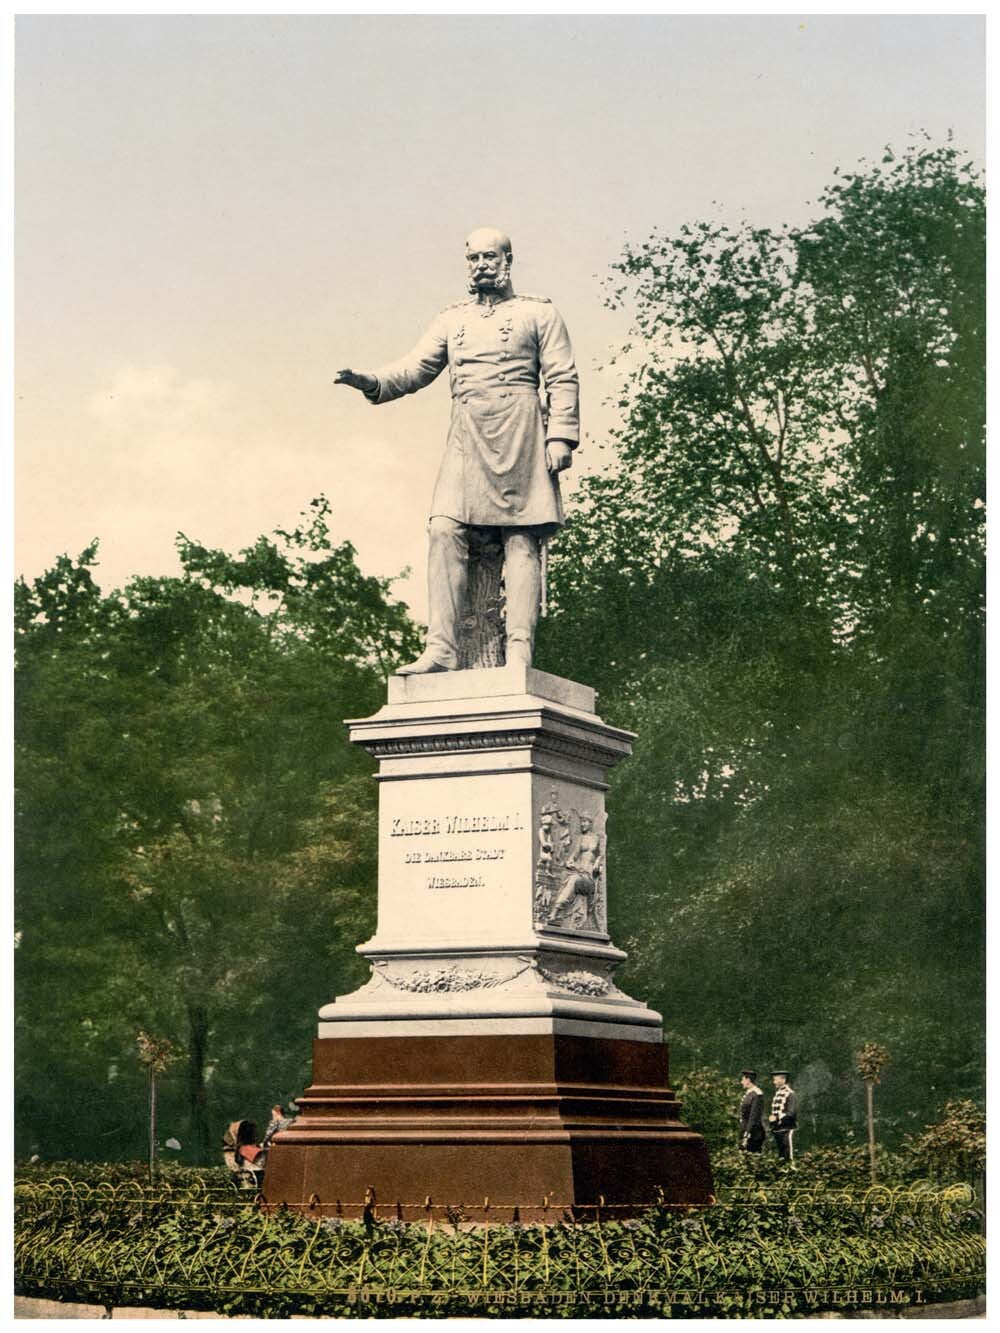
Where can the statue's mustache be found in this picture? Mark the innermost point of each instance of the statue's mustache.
(501, 280)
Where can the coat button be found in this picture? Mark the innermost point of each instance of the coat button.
(459, 360)
(502, 376)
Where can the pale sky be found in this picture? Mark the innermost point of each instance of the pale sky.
(213, 215)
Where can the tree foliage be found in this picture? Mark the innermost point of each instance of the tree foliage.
(196, 849)
(777, 583)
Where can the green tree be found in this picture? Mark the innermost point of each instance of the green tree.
(156, 1056)
(871, 1060)
(895, 276)
(777, 584)
(196, 838)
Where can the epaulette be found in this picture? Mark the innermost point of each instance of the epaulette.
(469, 300)
(529, 296)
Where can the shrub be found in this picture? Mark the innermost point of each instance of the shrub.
(130, 1246)
(169, 1175)
(709, 1104)
(826, 1168)
(954, 1147)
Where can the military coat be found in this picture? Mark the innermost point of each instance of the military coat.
(752, 1111)
(494, 471)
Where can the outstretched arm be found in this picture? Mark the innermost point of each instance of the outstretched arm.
(420, 366)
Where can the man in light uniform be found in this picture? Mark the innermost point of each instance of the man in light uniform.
(504, 450)
(783, 1117)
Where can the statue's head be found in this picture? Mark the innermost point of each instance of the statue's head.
(489, 256)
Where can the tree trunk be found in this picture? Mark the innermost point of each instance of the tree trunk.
(482, 641)
(870, 1096)
(152, 1124)
(197, 1097)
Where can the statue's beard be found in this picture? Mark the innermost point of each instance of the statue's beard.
(500, 284)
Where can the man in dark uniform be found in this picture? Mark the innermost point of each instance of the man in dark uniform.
(752, 1133)
(782, 1118)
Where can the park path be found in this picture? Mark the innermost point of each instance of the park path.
(28, 1307)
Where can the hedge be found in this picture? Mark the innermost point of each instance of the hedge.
(202, 1247)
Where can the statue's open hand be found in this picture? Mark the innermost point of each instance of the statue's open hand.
(356, 380)
(558, 455)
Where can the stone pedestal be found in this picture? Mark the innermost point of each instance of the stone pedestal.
(490, 1053)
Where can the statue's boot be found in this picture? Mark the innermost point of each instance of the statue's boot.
(423, 665)
(522, 576)
(447, 581)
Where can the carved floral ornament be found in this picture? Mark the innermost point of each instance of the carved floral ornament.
(581, 983)
(452, 979)
(449, 979)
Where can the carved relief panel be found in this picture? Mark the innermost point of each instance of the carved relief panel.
(570, 890)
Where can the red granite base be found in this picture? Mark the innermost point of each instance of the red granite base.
(541, 1122)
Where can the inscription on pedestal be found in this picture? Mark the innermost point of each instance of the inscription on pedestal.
(455, 857)
(455, 851)
(449, 824)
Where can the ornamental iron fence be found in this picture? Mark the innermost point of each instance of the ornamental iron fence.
(203, 1246)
